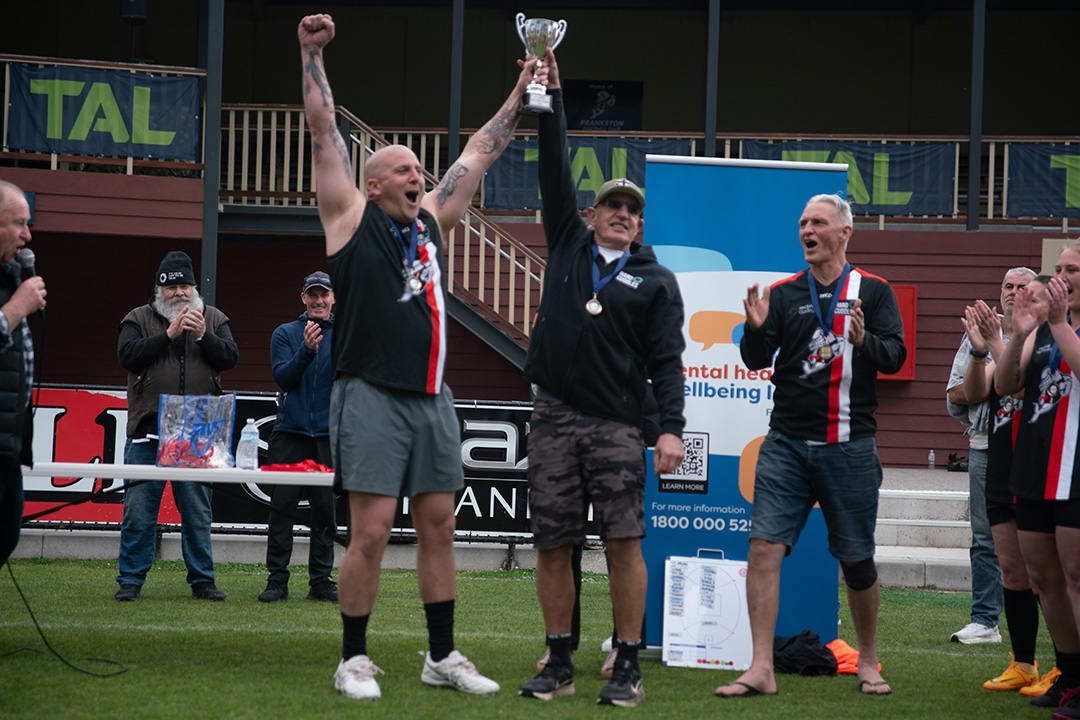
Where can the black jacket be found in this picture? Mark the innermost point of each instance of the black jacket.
(16, 428)
(599, 364)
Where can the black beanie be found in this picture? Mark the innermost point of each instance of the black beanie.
(176, 269)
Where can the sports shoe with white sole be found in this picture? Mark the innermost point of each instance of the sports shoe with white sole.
(553, 680)
(976, 634)
(457, 672)
(355, 678)
(624, 688)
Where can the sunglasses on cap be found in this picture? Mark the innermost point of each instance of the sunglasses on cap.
(616, 204)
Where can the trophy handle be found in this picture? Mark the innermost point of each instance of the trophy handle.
(560, 33)
(520, 20)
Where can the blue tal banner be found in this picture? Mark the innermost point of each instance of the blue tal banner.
(1044, 180)
(883, 179)
(80, 111)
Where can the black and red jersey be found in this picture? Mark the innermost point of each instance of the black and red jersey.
(825, 388)
(1045, 465)
(385, 332)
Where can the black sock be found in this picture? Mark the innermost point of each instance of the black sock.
(1022, 617)
(1069, 665)
(353, 635)
(626, 651)
(440, 628)
(560, 649)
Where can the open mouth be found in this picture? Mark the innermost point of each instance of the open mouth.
(810, 244)
(412, 195)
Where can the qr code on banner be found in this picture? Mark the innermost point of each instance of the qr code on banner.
(695, 464)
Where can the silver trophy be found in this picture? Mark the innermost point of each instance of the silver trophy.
(538, 34)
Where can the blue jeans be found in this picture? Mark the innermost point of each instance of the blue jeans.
(843, 477)
(987, 595)
(138, 532)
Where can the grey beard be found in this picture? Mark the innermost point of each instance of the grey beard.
(171, 308)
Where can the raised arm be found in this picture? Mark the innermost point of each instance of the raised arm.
(455, 191)
(980, 371)
(1057, 295)
(341, 204)
(1012, 365)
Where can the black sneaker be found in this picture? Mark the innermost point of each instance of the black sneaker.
(325, 591)
(1056, 694)
(624, 688)
(554, 679)
(1070, 706)
(206, 591)
(274, 593)
(127, 593)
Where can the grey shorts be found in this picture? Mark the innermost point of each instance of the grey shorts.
(390, 442)
(575, 459)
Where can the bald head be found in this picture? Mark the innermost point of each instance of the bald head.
(394, 180)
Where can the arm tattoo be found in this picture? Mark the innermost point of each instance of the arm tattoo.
(498, 130)
(313, 68)
(316, 152)
(449, 183)
(339, 144)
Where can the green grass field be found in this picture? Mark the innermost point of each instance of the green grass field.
(242, 659)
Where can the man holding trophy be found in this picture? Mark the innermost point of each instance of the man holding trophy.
(600, 333)
(393, 428)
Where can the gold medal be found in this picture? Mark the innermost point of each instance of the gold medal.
(415, 285)
(1052, 391)
(825, 353)
(593, 306)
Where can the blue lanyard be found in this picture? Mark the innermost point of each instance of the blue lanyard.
(410, 254)
(826, 322)
(597, 283)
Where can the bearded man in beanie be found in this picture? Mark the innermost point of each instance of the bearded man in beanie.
(175, 345)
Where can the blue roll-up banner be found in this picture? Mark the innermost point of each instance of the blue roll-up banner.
(511, 183)
(883, 179)
(721, 226)
(80, 111)
(1044, 180)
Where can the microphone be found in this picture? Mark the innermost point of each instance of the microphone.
(26, 258)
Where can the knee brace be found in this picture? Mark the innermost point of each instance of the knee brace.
(861, 575)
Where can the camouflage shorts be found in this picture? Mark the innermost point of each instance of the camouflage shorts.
(575, 459)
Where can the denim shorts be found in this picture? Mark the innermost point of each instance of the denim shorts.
(844, 478)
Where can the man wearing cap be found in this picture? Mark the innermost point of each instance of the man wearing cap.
(176, 345)
(18, 300)
(300, 359)
(610, 319)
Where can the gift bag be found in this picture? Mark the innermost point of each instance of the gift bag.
(195, 431)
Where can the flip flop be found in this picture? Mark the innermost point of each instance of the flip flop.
(873, 686)
(751, 691)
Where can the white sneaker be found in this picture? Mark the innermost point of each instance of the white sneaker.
(976, 634)
(355, 678)
(457, 672)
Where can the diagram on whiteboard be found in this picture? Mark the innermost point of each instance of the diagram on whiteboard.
(705, 615)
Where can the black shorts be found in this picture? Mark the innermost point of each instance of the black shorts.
(1045, 516)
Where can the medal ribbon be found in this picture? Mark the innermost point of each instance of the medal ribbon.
(410, 252)
(826, 322)
(598, 283)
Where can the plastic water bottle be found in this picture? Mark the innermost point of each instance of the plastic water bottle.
(930, 461)
(247, 452)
